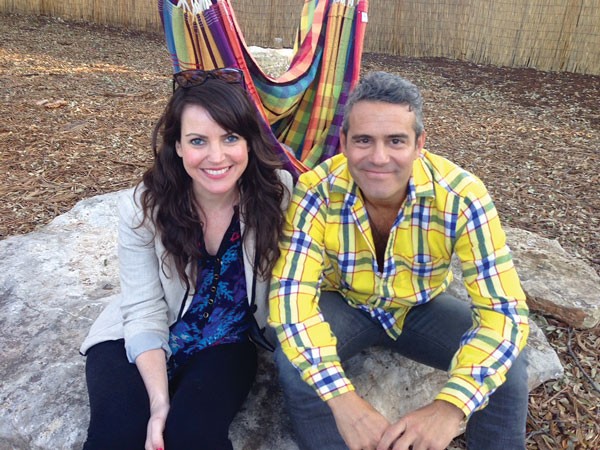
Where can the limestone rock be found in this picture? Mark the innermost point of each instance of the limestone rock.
(55, 281)
(556, 283)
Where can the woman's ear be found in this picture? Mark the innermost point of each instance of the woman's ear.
(178, 148)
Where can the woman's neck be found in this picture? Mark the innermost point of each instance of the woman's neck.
(209, 204)
(216, 214)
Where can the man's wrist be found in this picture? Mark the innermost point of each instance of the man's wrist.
(338, 401)
(455, 412)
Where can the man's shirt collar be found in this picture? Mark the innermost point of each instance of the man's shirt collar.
(420, 183)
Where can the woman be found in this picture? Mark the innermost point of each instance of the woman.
(170, 362)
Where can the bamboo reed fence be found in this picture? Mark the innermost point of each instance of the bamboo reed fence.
(553, 35)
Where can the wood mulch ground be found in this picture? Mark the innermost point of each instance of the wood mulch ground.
(79, 101)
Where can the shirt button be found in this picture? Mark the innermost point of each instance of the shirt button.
(211, 301)
(205, 315)
(213, 289)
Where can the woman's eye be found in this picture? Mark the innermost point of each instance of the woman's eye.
(232, 138)
(197, 141)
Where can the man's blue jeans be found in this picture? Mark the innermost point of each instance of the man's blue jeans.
(431, 336)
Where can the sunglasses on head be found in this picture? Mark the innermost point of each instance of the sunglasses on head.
(196, 77)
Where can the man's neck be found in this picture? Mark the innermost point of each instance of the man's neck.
(381, 218)
(383, 214)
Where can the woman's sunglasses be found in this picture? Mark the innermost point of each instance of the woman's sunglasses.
(196, 77)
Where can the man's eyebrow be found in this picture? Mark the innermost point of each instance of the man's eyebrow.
(389, 136)
(397, 136)
(361, 136)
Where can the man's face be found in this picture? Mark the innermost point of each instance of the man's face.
(381, 146)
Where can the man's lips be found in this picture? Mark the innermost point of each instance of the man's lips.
(376, 172)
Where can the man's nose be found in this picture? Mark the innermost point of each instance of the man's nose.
(380, 154)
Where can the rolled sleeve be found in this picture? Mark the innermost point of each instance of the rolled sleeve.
(142, 342)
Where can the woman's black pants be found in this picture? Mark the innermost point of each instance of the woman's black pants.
(205, 396)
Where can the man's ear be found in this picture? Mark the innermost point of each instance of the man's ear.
(343, 142)
(421, 141)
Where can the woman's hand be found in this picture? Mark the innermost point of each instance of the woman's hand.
(156, 426)
(153, 369)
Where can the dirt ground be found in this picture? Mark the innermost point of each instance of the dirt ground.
(79, 102)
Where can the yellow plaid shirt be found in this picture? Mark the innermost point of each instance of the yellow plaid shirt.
(327, 244)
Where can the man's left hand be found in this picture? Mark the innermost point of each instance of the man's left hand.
(429, 428)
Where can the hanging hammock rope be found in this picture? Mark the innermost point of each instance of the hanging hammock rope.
(303, 108)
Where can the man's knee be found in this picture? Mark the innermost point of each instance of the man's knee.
(513, 393)
(516, 377)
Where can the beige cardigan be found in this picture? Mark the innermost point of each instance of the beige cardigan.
(152, 295)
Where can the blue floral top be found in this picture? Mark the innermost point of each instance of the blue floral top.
(219, 313)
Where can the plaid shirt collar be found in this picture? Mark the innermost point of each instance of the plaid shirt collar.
(420, 183)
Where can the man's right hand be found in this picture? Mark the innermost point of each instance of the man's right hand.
(360, 425)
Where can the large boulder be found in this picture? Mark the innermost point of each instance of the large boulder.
(53, 284)
(556, 283)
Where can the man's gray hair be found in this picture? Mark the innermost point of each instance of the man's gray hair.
(388, 88)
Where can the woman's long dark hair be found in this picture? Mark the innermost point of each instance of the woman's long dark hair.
(168, 199)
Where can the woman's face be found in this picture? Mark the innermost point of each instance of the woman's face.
(213, 157)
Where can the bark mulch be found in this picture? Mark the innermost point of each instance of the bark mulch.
(79, 102)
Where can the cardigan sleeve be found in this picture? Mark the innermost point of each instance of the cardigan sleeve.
(143, 306)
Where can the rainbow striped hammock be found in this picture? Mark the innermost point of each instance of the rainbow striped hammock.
(302, 109)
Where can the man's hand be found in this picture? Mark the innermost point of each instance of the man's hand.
(429, 428)
(359, 424)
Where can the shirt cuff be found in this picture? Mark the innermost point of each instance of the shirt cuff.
(328, 380)
(465, 395)
(142, 342)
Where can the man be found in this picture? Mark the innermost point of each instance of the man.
(366, 260)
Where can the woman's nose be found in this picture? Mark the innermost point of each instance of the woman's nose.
(215, 153)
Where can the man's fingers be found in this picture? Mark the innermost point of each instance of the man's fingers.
(391, 434)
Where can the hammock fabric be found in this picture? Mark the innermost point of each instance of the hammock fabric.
(303, 108)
